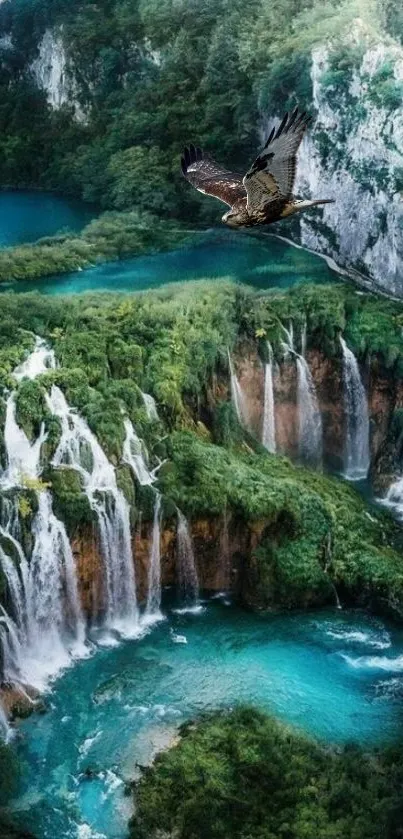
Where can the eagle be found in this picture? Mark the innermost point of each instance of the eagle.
(265, 193)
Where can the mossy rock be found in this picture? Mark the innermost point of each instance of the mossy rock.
(125, 483)
(70, 502)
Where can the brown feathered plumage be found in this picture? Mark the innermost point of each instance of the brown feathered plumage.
(265, 193)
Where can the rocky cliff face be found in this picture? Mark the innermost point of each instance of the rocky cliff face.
(355, 155)
(385, 398)
(54, 74)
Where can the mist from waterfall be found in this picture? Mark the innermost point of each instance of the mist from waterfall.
(188, 582)
(357, 454)
(79, 449)
(269, 429)
(238, 397)
(153, 606)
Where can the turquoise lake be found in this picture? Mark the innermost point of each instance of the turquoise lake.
(27, 216)
(336, 675)
(260, 261)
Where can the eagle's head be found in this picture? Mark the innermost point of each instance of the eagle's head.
(233, 218)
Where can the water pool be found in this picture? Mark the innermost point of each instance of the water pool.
(336, 675)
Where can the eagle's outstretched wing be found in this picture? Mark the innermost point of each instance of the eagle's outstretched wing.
(210, 178)
(272, 175)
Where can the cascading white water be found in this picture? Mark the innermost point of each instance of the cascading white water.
(41, 360)
(80, 449)
(288, 344)
(45, 625)
(188, 583)
(23, 457)
(394, 498)
(357, 454)
(56, 606)
(133, 455)
(150, 407)
(309, 416)
(5, 731)
(303, 339)
(238, 397)
(269, 429)
(154, 569)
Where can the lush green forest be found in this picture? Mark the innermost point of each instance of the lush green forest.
(245, 775)
(316, 531)
(142, 79)
(151, 76)
(173, 344)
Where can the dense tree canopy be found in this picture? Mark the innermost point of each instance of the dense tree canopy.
(243, 775)
(149, 76)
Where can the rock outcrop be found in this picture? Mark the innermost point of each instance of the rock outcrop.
(355, 155)
(54, 74)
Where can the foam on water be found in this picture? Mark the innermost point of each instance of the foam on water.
(375, 662)
(351, 636)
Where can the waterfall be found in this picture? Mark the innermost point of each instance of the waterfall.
(56, 606)
(80, 449)
(45, 625)
(41, 360)
(303, 339)
(23, 457)
(269, 430)
(154, 568)
(133, 455)
(357, 456)
(238, 397)
(5, 731)
(288, 344)
(150, 406)
(188, 583)
(394, 498)
(309, 417)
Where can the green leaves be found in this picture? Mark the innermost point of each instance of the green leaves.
(244, 775)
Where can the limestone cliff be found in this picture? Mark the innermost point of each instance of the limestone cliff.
(54, 73)
(355, 155)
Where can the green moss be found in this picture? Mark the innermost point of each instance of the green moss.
(303, 514)
(125, 483)
(30, 407)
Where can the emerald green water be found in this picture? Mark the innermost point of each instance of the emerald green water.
(336, 675)
(262, 262)
(27, 216)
